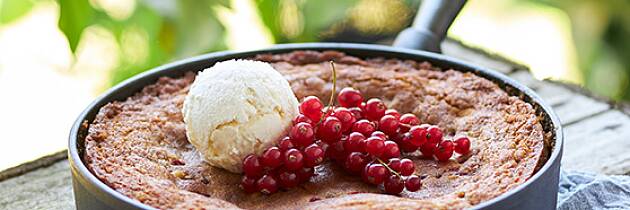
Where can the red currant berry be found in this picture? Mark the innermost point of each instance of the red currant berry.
(390, 150)
(355, 142)
(388, 124)
(346, 117)
(355, 162)
(394, 185)
(362, 107)
(349, 97)
(376, 173)
(330, 129)
(374, 109)
(462, 145)
(248, 184)
(304, 174)
(252, 167)
(337, 151)
(288, 179)
(267, 184)
(435, 134)
(418, 136)
(407, 167)
(428, 149)
(328, 110)
(357, 113)
(408, 120)
(293, 159)
(397, 138)
(425, 126)
(413, 183)
(364, 127)
(312, 107)
(393, 112)
(323, 145)
(379, 134)
(394, 164)
(302, 134)
(406, 144)
(271, 157)
(344, 138)
(313, 155)
(374, 146)
(285, 143)
(364, 172)
(444, 150)
(301, 118)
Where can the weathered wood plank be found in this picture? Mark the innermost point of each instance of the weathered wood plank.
(454, 48)
(553, 94)
(578, 107)
(32, 165)
(44, 188)
(595, 135)
(526, 78)
(571, 106)
(599, 144)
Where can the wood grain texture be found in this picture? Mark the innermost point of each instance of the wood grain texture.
(596, 138)
(45, 188)
(526, 78)
(570, 105)
(578, 107)
(33, 165)
(454, 48)
(599, 144)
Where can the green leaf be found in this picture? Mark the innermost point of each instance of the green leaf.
(11, 10)
(74, 17)
(146, 19)
(318, 15)
(224, 3)
(268, 11)
(198, 29)
(321, 14)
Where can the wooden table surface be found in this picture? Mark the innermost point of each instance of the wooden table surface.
(597, 134)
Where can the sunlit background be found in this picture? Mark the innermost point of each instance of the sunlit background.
(56, 56)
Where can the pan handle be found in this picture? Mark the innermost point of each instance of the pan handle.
(430, 25)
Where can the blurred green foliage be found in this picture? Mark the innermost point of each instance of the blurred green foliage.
(176, 29)
(74, 16)
(315, 17)
(13, 9)
(173, 29)
(601, 32)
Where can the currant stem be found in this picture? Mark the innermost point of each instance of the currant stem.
(331, 102)
(334, 84)
(388, 168)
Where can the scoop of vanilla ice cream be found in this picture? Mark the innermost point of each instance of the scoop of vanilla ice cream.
(236, 108)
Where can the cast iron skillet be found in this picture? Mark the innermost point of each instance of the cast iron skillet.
(539, 192)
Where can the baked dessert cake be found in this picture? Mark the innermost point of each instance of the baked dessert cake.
(139, 146)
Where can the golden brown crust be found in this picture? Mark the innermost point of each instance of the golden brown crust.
(139, 147)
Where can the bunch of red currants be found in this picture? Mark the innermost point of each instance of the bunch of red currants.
(364, 138)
